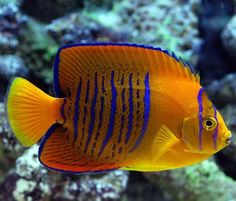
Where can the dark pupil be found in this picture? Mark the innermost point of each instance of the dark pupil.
(209, 123)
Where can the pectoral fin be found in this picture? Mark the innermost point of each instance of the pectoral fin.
(163, 141)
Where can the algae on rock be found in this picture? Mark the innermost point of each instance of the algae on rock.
(29, 180)
(172, 25)
(201, 182)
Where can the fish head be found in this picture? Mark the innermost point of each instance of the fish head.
(205, 132)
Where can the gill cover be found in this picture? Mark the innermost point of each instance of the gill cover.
(200, 131)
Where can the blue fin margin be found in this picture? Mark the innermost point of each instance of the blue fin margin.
(42, 143)
(57, 89)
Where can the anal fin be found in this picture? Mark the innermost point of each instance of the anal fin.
(163, 141)
(57, 152)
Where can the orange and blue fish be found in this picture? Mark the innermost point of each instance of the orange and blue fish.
(125, 106)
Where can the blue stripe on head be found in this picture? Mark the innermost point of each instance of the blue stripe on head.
(76, 115)
(200, 118)
(147, 104)
(215, 135)
(112, 114)
(92, 113)
(130, 117)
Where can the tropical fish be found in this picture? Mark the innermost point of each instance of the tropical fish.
(123, 106)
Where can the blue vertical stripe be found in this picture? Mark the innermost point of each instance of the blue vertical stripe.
(215, 135)
(76, 114)
(130, 117)
(92, 113)
(112, 114)
(200, 118)
(146, 114)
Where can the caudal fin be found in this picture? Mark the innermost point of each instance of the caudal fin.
(31, 112)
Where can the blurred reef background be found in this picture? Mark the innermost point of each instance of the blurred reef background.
(202, 32)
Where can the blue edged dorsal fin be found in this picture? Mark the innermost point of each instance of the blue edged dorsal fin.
(79, 60)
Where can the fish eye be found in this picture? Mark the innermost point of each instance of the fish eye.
(209, 123)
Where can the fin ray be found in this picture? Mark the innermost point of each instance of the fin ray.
(27, 108)
(162, 142)
(82, 59)
(58, 153)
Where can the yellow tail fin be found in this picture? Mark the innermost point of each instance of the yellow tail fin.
(31, 112)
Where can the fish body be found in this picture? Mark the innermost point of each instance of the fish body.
(117, 106)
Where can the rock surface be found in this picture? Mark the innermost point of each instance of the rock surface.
(223, 91)
(29, 180)
(12, 24)
(27, 44)
(229, 37)
(178, 19)
(201, 182)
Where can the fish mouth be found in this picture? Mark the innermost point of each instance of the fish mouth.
(227, 137)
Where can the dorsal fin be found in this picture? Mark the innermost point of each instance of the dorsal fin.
(80, 60)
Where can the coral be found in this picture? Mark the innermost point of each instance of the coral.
(38, 50)
(10, 145)
(80, 28)
(31, 181)
(9, 148)
(73, 29)
(10, 66)
(229, 37)
(201, 182)
(28, 39)
(12, 24)
(169, 24)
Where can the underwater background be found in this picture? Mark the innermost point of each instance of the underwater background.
(202, 32)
